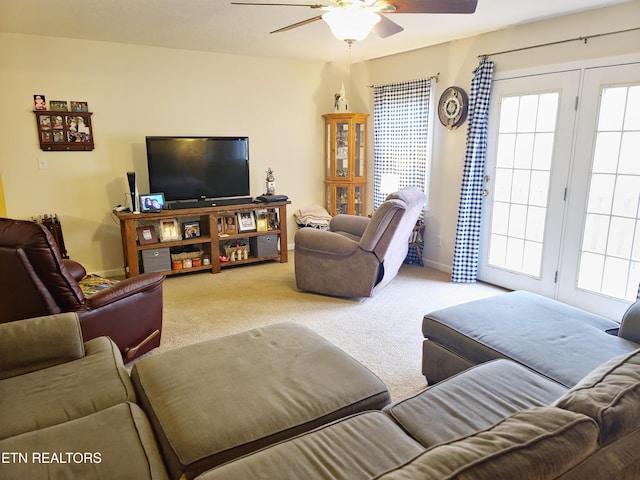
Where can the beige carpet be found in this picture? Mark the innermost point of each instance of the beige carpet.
(383, 332)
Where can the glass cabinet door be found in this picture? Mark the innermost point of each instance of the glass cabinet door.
(358, 199)
(342, 150)
(359, 151)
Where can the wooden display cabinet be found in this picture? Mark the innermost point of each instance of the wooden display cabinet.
(345, 162)
(64, 131)
(212, 234)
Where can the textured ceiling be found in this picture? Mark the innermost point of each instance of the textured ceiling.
(218, 26)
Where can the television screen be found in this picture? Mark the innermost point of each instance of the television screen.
(198, 168)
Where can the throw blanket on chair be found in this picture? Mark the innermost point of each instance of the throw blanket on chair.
(313, 216)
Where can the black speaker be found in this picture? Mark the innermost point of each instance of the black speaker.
(133, 192)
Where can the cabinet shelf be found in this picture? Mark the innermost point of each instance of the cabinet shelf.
(228, 237)
(209, 240)
(248, 261)
(177, 243)
(187, 270)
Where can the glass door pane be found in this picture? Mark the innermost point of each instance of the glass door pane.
(342, 199)
(358, 196)
(610, 255)
(522, 175)
(342, 150)
(359, 150)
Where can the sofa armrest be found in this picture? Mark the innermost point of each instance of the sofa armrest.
(324, 242)
(37, 343)
(125, 288)
(76, 270)
(630, 324)
(352, 224)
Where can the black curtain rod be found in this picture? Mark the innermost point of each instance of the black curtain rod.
(436, 76)
(577, 39)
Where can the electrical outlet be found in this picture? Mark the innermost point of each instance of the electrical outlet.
(439, 241)
(43, 164)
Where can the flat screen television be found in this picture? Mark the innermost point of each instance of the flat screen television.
(198, 168)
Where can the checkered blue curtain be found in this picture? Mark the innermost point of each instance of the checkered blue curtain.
(401, 133)
(402, 136)
(467, 247)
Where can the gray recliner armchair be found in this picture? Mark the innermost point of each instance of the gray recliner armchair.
(358, 255)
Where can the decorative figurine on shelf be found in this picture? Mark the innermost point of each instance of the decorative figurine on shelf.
(271, 182)
(341, 104)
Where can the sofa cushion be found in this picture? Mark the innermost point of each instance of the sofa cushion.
(472, 401)
(214, 401)
(358, 447)
(37, 343)
(115, 443)
(64, 392)
(537, 443)
(554, 339)
(610, 395)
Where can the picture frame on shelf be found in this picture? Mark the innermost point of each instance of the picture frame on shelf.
(229, 226)
(79, 106)
(190, 230)
(273, 219)
(147, 234)
(39, 102)
(262, 224)
(246, 222)
(169, 230)
(152, 202)
(59, 106)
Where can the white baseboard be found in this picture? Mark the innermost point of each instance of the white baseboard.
(438, 266)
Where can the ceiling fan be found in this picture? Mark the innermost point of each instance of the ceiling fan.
(352, 20)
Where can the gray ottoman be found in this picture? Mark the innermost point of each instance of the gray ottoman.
(215, 401)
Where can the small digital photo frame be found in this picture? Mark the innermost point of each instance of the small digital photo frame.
(153, 202)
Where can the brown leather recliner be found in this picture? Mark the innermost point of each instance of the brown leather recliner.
(36, 281)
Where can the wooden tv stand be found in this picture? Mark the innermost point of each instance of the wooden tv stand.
(212, 235)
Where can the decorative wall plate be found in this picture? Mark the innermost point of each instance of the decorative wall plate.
(452, 107)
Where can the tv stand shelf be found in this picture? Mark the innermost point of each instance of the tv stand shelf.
(210, 239)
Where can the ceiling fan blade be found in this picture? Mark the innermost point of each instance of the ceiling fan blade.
(299, 24)
(315, 5)
(385, 27)
(433, 6)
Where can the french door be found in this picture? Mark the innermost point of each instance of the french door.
(600, 264)
(562, 187)
(526, 174)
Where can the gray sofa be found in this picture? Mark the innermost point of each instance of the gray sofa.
(68, 410)
(559, 341)
(498, 420)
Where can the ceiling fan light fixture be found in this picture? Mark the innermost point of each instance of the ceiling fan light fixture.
(351, 24)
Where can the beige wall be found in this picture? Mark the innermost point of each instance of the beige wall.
(455, 63)
(136, 91)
